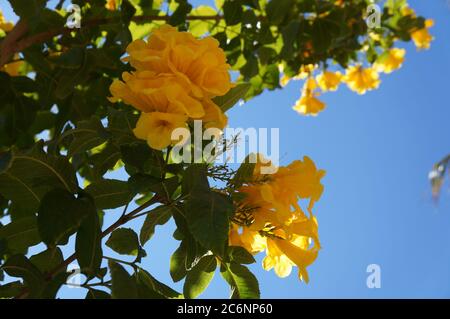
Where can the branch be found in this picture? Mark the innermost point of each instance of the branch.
(122, 220)
(14, 41)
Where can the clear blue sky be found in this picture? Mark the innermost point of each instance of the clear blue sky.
(377, 150)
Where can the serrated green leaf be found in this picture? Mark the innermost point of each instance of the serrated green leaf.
(199, 277)
(109, 193)
(240, 255)
(87, 135)
(31, 175)
(60, 214)
(123, 285)
(20, 234)
(88, 245)
(47, 260)
(158, 216)
(178, 263)
(124, 241)
(157, 286)
(19, 266)
(243, 283)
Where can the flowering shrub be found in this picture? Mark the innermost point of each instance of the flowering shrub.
(80, 103)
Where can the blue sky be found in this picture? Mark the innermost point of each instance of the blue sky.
(377, 150)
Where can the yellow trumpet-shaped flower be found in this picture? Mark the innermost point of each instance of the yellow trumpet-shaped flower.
(277, 223)
(277, 260)
(251, 240)
(149, 92)
(422, 37)
(200, 62)
(296, 252)
(329, 81)
(390, 60)
(361, 79)
(309, 105)
(157, 127)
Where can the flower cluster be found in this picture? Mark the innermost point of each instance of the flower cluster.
(176, 78)
(358, 78)
(270, 218)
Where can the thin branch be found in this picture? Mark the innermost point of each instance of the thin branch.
(14, 41)
(122, 220)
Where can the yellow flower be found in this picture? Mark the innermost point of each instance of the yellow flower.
(149, 92)
(112, 5)
(297, 252)
(361, 80)
(284, 80)
(277, 260)
(251, 240)
(4, 25)
(329, 81)
(214, 117)
(390, 60)
(157, 127)
(277, 223)
(305, 71)
(13, 68)
(309, 105)
(422, 37)
(407, 11)
(200, 62)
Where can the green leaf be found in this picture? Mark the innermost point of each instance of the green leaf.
(232, 11)
(29, 10)
(179, 15)
(207, 215)
(206, 212)
(230, 99)
(243, 283)
(20, 234)
(277, 10)
(19, 266)
(31, 175)
(199, 277)
(178, 263)
(87, 135)
(144, 183)
(97, 294)
(47, 260)
(200, 27)
(71, 59)
(88, 245)
(158, 216)
(11, 289)
(124, 241)
(109, 193)
(123, 285)
(157, 286)
(240, 255)
(60, 215)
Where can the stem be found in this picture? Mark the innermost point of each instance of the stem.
(122, 220)
(14, 41)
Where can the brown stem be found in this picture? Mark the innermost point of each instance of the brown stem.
(14, 41)
(122, 220)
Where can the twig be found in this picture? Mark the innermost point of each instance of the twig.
(122, 220)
